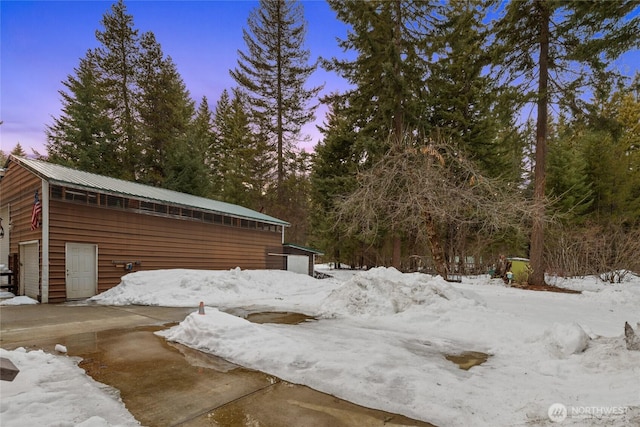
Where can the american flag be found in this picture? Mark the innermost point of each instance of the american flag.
(35, 212)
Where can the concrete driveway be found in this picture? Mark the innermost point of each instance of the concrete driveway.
(166, 384)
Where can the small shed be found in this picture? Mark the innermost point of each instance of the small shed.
(70, 234)
(300, 259)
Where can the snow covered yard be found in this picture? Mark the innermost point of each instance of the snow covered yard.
(382, 337)
(51, 390)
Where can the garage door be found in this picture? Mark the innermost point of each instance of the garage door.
(298, 264)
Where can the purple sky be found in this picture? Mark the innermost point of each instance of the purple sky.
(42, 42)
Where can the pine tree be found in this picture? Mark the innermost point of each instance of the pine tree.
(297, 186)
(273, 72)
(541, 39)
(237, 159)
(467, 105)
(17, 151)
(127, 112)
(567, 177)
(201, 137)
(83, 136)
(333, 176)
(185, 169)
(611, 146)
(117, 58)
(165, 111)
(219, 151)
(625, 104)
(186, 163)
(392, 40)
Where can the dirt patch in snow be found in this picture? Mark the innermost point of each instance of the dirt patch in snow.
(546, 288)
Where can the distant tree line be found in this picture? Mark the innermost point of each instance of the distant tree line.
(425, 155)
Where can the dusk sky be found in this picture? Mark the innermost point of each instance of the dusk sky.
(41, 42)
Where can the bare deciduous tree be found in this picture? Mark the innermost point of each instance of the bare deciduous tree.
(418, 186)
(610, 253)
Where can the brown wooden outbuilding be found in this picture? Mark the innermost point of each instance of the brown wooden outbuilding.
(70, 234)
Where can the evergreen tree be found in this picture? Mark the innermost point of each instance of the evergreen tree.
(127, 112)
(392, 42)
(333, 176)
(236, 160)
(625, 104)
(117, 58)
(541, 39)
(186, 170)
(83, 136)
(201, 137)
(611, 146)
(467, 105)
(297, 186)
(219, 147)
(273, 72)
(17, 151)
(567, 178)
(165, 111)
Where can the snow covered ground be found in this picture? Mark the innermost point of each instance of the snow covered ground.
(381, 340)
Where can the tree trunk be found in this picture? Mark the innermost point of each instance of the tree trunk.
(280, 110)
(537, 231)
(398, 117)
(396, 255)
(437, 251)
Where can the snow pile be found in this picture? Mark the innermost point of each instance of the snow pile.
(384, 337)
(53, 390)
(186, 288)
(6, 294)
(564, 340)
(619, 294)
(386, 291)
(392, 371)
(22, 300)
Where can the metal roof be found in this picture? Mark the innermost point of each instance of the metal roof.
(303, 248)
(66, 176)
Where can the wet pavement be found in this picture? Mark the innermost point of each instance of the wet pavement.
(167, 384)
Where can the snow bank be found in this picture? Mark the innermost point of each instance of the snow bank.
(236, 287)
(386, 291)
(23, 300)
(390, 371)
(384, 336)
(563, 340)
(53, 390)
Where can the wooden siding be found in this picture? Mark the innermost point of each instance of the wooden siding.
(150, 242)
(147, 239)
(17, 189)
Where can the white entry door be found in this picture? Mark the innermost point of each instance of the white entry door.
(30, 269)
(81, 270)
